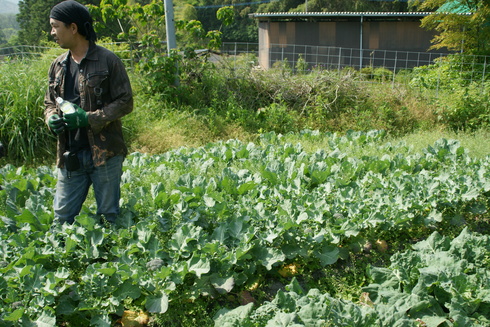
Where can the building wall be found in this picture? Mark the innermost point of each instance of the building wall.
(388, 36)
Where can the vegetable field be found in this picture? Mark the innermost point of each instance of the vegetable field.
(205, 231)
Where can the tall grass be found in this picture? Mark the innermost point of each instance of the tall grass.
(22, 128)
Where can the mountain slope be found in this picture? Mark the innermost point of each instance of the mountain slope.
(9, 7)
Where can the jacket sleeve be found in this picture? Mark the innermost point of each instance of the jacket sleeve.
(49, 97)
(121, 96)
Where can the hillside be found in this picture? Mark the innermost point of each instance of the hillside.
(9, 7)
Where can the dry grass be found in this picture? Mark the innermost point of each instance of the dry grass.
(167, 134)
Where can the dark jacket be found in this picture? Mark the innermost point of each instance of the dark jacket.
(105, 94)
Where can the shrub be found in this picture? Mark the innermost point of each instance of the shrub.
(449, 73)
(465, 108)
(380, 74)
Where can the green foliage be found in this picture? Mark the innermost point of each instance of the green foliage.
(240, 27)
(199, 225)
(215, 100)
(451, 72)
(301, 65)
(277, 118)
(441, 281)
(8, 28)
(226, 15)
(22, 127)
(33, 20)
(297, 307)
(447, 286)
(229, 97)
(380, 74)
(462, 102)
(462, 25)
(333, 5)
(466, 109)
(143, 24)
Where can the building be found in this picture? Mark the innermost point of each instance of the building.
(392, 40)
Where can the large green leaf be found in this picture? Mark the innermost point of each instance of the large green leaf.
(157, 303)
(47, 319)
(199, 265)
(328, 254)
(128, 289)
(269, 256)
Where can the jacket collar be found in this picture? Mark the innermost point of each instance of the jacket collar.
(91, 54)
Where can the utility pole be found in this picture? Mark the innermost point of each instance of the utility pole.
(170, 26)
(170, 31)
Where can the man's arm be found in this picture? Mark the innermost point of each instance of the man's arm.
(120, 92)
(50, 107)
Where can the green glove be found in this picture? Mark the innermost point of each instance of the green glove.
(56, 124)
(77, 119)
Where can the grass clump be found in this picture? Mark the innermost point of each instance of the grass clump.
(22, 128)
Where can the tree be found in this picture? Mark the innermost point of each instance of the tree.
(462, 25)
(33, 19)
(143, 27)
(2, 38)
(242, 29)
(8, 28)
(333, 5)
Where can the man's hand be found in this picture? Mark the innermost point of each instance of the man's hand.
(56, 124)
(77, 119)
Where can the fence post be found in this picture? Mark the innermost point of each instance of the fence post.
(438, 79)
(394, 67)
(235, 56)
(483, 73)
(340, 56)
(306, 61)
(317, 48)
(293, 64)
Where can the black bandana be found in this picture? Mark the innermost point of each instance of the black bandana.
(71, 11)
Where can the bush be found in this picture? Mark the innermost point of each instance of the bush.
(450, 73)
(465, 108)
(380, 74)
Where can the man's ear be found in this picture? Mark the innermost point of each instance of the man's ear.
(74, 28)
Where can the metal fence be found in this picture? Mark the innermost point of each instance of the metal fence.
(30, 52)
(384, 65)
(338, 58)
(21, 51)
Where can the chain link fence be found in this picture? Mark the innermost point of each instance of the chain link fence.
(378, 65)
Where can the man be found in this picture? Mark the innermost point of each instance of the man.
(90, 148)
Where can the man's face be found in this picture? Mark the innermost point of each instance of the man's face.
(62, 34)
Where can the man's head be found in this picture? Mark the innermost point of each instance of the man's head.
(71, 17)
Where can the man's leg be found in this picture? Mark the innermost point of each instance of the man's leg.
(71, 192)
(106, 181)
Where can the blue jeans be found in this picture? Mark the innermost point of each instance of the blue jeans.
(72, 188)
